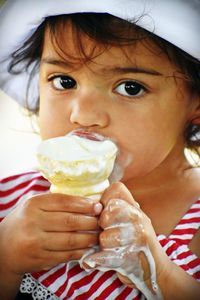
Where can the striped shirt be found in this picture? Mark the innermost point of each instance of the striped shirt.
(69, 281)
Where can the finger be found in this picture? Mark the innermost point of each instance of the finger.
(118, 191)
(61, 202)
(121, 236)
(53, 258)
(118, 211)
(69, 241)
(64, 221)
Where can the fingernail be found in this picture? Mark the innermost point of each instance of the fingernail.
(98, 208)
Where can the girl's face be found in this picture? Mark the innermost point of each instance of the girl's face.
(129, 94)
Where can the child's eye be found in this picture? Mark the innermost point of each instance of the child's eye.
(130, 88)
(63, 82)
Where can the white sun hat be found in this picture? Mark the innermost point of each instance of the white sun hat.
(177, 21)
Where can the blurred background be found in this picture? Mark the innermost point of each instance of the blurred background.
(18, 140)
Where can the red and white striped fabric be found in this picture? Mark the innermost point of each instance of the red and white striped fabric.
(69, 281)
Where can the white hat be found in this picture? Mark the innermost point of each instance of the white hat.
(177, 21)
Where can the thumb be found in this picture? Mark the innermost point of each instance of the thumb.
(106, 260)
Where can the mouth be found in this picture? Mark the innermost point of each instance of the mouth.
(93, 136)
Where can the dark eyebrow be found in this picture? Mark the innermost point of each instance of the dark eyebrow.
(113, 70)
(136, 70)
(56, 62)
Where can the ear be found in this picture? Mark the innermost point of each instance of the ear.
(195, 114)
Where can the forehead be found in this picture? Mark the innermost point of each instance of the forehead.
(75, 47)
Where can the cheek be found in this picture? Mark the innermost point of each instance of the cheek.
(144, 157)
(145, 146)
(52, 120)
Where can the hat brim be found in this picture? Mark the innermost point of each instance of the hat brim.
(177, 21)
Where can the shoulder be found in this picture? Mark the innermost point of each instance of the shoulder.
(17, 188)
(194, 244)
(194, 220)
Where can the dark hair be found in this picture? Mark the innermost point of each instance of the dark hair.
(107, 30)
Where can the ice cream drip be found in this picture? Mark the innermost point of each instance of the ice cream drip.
(77, 164)
(125, 259)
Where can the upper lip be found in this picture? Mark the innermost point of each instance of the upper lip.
(88, 135)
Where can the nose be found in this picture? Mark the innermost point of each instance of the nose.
(89, 110)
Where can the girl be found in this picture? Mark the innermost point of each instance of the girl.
(128, 70)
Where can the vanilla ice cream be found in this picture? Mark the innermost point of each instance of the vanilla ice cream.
(77, 165)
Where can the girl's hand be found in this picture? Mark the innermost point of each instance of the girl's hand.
(126, 240)
(47, 230)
